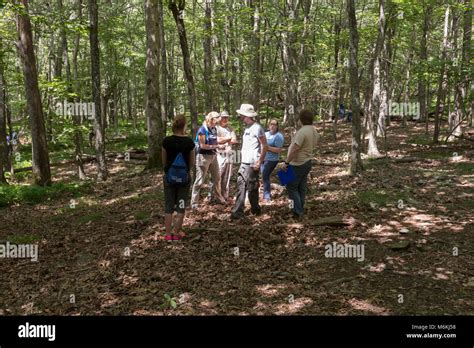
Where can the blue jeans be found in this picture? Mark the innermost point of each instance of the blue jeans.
(297, 188)
(267, 169)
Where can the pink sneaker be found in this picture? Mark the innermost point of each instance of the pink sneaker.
(169, 238)
(176, 238)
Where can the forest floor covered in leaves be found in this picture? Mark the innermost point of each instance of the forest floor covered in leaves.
(413, 212)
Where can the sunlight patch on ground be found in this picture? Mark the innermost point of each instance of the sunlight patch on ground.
(294, 307)
(133, 195)
(128, 280)
(147, 312)
(269, 290)
(107, 299)
(380, 267)
(365, 306)
(442, 274)
(432, 223)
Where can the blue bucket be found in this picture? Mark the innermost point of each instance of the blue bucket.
(286, 177)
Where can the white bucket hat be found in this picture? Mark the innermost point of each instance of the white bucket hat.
(247, 110)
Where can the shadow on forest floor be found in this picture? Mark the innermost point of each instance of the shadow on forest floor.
(414, 220)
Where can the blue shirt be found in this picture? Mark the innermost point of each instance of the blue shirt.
(275, 140)
(211, 139)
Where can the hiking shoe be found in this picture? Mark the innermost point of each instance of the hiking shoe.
(169, 238)
(237, 216)
(256, 212)
(297, 217)
(217, 202)
(176, 238)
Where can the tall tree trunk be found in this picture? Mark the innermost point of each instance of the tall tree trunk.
(456, 115)
(75, 51)
(40, 155)
(304, 47)
(3, 121)
(129, 101)
(256, 55)
(337, 73)
(390, 55)
(467, 57)
(235, 62)
(443, 76)
(356, 161)
(171, 78)
(207, 43)
(422, 81)
(49, 114)
(372, 102)
(153, 111)
(166, 112)
(60, 54)
(77, 121)
(102, 173)
(225, 62)
(9, 127)
(290, 64)
(406, 88)
(377, 76)
(466, 63)
(386, 30)
(178, 13)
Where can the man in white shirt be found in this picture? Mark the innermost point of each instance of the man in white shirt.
(254, 149)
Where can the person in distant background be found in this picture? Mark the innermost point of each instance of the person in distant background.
(176, 196)
(12, 139)
(275, 141)
(342, 111)
(349, 115)
(91, 137)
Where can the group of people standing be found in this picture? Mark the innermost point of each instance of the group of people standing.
(212, 151)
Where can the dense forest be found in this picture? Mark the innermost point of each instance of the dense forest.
(139, 64)
(90, 88)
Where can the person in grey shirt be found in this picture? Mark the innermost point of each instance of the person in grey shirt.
(254, 149)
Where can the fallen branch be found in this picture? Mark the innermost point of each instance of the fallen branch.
(462, 137)
(327, 221)
(411, 159)
(333, 221)
(85, 159)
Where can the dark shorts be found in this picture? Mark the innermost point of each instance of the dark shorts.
(176, 197)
